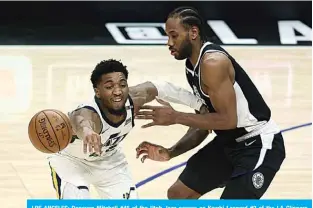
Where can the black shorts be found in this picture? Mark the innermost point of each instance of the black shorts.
(245, 169)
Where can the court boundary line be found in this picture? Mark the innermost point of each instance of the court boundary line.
(163, 172)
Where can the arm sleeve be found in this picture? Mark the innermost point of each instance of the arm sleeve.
(171, 93)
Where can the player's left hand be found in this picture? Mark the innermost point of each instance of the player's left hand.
(152, 151)
(164, 115)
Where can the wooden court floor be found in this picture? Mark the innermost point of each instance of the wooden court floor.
(35, 78)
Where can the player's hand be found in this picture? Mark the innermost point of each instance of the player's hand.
(92, 142)
(152, 152)
(164, 115)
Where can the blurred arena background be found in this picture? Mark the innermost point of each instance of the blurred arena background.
(48, 50)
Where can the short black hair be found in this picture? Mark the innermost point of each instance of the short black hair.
(105, 67)
(190, 17)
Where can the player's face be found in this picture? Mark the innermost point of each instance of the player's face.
(113, 92)
(178, 39)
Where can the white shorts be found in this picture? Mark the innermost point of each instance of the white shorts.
(114, 183)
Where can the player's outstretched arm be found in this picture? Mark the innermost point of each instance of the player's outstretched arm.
(148, 91)
(172, 93)
(215, 76)
(142, 93)
(87, 125)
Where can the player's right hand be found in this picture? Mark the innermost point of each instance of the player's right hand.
(152, 152)
(92, 142)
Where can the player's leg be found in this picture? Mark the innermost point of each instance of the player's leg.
(71, 191)
(117, 184)
(208, 169)
(67, 178)
(181, 191)
(262, 160)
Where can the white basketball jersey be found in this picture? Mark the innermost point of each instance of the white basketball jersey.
(111, 134)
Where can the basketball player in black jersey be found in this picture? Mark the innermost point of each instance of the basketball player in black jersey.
(248, 149)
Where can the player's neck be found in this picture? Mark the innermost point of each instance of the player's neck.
(114, 118)
(195, 53)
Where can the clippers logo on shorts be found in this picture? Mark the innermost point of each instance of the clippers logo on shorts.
(258, 180)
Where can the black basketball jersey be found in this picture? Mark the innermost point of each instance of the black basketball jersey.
(252, 111)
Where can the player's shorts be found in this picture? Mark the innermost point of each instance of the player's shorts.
(113, 183)
(246, 169)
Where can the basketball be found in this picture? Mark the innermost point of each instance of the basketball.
(50, 131)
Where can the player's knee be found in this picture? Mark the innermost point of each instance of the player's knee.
(174, 193)
(73, 192)
(180, 192)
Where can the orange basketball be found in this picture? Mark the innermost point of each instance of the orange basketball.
(50, 131)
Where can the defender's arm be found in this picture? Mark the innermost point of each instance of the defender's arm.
(218, 85)
(146, 92)
(216, 78)
(190, 140)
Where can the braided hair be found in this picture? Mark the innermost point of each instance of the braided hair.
(190, 17)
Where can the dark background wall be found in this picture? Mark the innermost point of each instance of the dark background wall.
(84, 22)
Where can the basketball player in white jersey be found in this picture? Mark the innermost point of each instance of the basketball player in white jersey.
(248, 149)
(94, 155)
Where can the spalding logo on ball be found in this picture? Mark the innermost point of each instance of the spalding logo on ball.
(50, 131)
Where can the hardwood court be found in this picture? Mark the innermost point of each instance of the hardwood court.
(35, 78)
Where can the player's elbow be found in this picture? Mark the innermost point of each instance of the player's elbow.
(151, 88)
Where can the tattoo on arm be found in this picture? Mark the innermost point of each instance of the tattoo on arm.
(85, 119)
